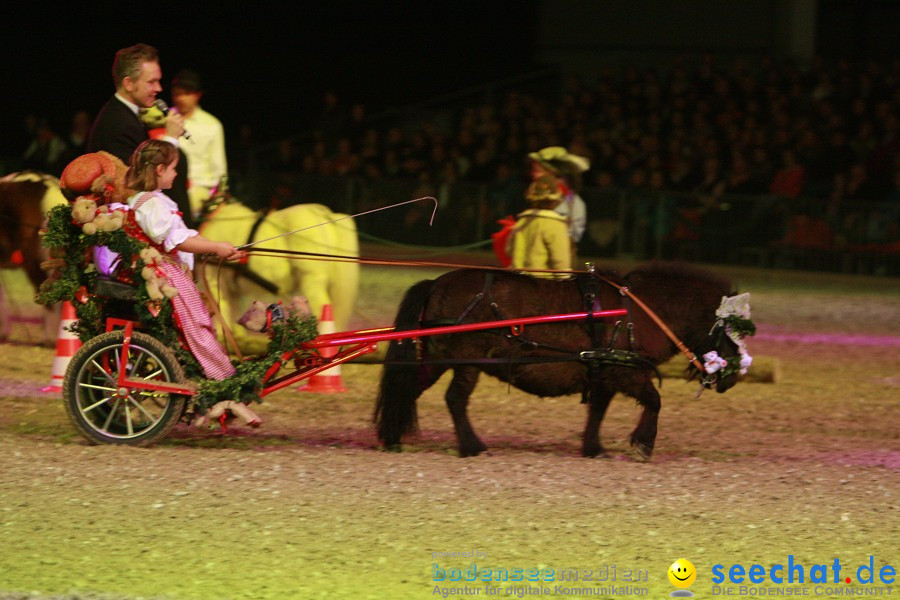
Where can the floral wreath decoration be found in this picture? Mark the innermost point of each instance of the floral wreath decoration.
(733, 315)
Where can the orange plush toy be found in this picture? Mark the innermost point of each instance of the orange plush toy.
(99, 174)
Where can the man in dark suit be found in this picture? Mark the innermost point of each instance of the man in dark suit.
(118, 128)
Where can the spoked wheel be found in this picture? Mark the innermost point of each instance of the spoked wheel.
(107, 414)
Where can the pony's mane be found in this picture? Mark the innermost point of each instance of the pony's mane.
(661, 271)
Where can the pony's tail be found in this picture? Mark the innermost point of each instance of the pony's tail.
(395, 410)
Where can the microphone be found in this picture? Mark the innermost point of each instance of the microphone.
(162, 106)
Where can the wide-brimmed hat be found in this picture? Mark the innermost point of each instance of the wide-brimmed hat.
(187, 79)
(543, 189)
(558, 160)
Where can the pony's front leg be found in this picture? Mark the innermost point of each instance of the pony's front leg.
(52, 316)
(457, 398)
(597, 405)
(5, 326)
(644, 435)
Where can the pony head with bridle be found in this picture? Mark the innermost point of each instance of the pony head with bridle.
(221, 194)
(724, 353)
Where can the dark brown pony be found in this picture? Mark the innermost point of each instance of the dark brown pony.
(25, 197)
(684, 297)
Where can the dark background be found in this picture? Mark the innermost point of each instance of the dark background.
(269, 64)
(266, 64)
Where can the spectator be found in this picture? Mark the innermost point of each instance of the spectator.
(47, 152)
(78, 133)
(789, 179)
(205, 149)
(862, 186)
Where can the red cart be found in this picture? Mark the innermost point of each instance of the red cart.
(127, 387)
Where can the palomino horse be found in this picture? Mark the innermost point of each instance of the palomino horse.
(25, 199)
(321, 281)
(546, 359)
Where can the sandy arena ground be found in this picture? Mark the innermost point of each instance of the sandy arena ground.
(308, 507)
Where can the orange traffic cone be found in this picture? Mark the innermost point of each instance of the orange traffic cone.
(67, 343)
(329, 380)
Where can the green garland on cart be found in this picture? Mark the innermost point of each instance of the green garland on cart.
(245, 384)
(75, 276)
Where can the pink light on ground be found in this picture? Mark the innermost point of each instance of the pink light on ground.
(847, 339)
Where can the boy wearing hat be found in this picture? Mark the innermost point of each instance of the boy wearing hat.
(567, 167)
(540, 238)
(205, 149)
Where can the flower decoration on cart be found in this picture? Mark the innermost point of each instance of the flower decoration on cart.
(733, 315)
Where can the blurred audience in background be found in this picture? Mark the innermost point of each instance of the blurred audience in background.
(817, 139)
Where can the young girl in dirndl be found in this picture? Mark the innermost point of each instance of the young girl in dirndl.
(154, 218)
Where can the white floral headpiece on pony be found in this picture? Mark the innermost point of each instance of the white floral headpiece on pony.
(733, 315)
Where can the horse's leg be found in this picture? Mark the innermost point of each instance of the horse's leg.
(343, 284)
(590, 439)
(51, 314)
(457, 398)
(5, 326)
(644, 435)
(52, 317)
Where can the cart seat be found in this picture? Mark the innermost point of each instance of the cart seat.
(112, 288)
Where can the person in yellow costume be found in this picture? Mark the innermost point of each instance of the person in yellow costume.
(540, 237)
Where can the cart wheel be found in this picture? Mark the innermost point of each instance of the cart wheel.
(135, 418)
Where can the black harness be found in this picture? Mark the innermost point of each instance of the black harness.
(597, 357)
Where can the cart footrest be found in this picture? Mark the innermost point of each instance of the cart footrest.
(187, 388)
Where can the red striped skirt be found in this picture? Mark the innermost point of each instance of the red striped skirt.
(196, 324)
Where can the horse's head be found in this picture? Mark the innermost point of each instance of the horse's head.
(219, 195)
(724, 355)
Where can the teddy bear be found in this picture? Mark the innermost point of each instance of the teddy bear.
(254, 318)
(106, 220)
(84, 209)
(300, 307)
(158, 287)
(93, 219)
(257, 316)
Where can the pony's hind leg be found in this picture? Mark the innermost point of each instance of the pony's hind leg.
(644, 435)
(5, 324)
(590, 439)
(457, 398)
(52, 316)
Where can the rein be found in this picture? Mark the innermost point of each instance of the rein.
(301, 255)
(341, 218)
(624, 291)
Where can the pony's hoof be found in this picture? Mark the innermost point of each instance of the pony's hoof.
(596, 452)
(467, 452)
(603, 454)
(643, 450)
(393, 448)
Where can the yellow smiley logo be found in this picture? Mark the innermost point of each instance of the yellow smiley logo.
(682, 573)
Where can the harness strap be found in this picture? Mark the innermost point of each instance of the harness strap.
(659, 322)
